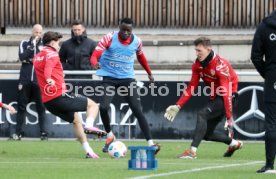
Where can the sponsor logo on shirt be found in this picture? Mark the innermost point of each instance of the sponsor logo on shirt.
(116, 65)
(272, 37)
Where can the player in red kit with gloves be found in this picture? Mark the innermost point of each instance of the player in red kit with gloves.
(218, 74)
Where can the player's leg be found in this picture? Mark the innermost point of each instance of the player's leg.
(211, 111)
(62, 107)
(214, 115)
(40, 111)
(270, 138)
(24, 94)
(77, 103)
(270, 134)
(218, 136)
(91, 114)
(134, 101)
(105, 100)
(79, 132)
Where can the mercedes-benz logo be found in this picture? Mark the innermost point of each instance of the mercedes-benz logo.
(272, 37)
(253, 112)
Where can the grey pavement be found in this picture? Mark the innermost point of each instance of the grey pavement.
(151, 37)
(146, 34)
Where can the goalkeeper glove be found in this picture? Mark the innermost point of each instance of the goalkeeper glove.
(229, 127)
(171, 112)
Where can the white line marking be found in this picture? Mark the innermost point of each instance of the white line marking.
(196, 170)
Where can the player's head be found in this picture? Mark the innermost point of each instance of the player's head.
(125, 28)
(78, 28)
(52, 39)
(202, 48)
(37, 31)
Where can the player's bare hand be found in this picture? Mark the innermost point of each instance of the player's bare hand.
(10, 108)
(50, 82)
(151, 78)
(97, 66)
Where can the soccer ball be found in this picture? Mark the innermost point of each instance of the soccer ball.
(117, 149)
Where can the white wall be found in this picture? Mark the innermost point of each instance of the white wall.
(159, 54)
(8, 54)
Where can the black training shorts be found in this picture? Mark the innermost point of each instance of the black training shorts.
(66, 105)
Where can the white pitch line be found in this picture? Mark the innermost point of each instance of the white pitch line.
(196, 170)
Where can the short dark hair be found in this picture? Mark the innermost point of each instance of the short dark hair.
(126, 20)
(77, 22)
(206, 42)
(49, 36)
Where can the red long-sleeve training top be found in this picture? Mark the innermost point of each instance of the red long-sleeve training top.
(219, 75)
(48, 66)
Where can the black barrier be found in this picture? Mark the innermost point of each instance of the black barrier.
(154, 103)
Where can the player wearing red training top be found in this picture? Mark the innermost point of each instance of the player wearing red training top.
(218, 74)
(50, 78)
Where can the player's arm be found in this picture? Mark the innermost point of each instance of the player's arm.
(257, 53)
(100, 48)
(26, 53)
(8, 107)
(52, 60)
(172, 110)
(226, 91)
(143, 61)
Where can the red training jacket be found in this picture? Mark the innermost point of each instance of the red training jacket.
(219, 74)
(48, 66)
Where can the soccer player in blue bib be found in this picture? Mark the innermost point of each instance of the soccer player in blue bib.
(114, 59)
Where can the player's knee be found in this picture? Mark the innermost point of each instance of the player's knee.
(200, 117)
(92, 104)
(77, 119)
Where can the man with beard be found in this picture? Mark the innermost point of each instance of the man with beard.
(75, 53)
